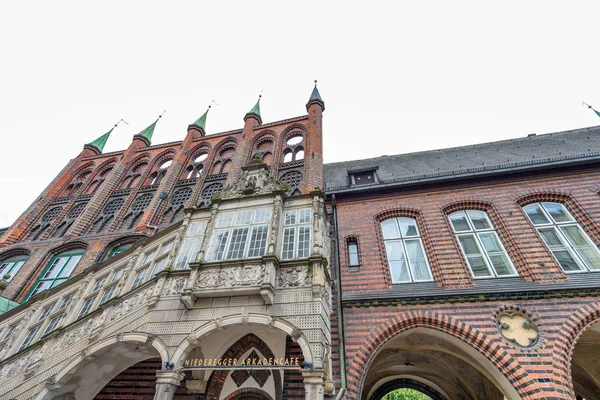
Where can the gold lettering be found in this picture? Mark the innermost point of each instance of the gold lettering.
(287, 362)
(254, 361)
(270, 361)
(235, 361)
(296, 361)
(243, 362)
(186, 363)
(220, 362)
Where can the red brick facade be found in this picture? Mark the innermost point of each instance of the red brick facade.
(376, 311)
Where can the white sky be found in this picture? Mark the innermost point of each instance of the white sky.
(396, 76)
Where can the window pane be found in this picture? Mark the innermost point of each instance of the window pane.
(52, 324)
(551, 237)
(117, 275)
(479, 219)
(590, 256)
(45, 312)
(304, 216)
(261, 216)
(258, 241)
(56, 267)
(159, 265)
(149, 257)
(290, 218)
(353, 253)
(566, 261)
(408, 227)
(68, 269)
(217, 245)
(238, 243)
(535, 214)
(99, 283)
(303, 241)
(490, 242)
(45, 285)
(575, 236)
(57, 282)
(478, 266)
(107, 295)
(65, 302)
(469, 245)
(416, 258)
(395, 251)
(501, 265)
(139, 278)
(557, 212)
(288, 243)
(243, 218)
(399, 271)
(389, 227)
(195, 228)
(167, 247)
(184, 251)
(87, 305)
(459, 222)
(224, 220)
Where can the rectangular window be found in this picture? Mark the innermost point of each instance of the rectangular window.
(66, 301)
(117, 275)
(30, 337)
(352, 253)
(9, 332)
(191, 244)
(108, 294)
(241, 234)
(159, 265)
(296, 241)
(52, 324)
(58, 271)
(99, 283)
(139, 278)
(11, 268)
(45, 312)
(87, 306)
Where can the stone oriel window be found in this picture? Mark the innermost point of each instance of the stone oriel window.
(240, 235)
(102, 291)
(155, 260)
(570, 245)
(59, 269)
(405, 253)
(481, 245)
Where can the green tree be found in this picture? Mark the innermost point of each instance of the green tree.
(405, 394)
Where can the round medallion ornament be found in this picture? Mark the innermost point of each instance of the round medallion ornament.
(517, 328)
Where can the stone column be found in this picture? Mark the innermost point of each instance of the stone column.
(166, 384)
(314, 385)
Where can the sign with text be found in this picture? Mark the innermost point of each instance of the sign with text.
(248, 363)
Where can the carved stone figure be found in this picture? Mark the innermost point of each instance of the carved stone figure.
(175, 286)
(293, 277)
(247, 275)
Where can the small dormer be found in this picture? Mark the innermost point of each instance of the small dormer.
(365, 175)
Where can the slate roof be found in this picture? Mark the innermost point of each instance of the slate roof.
(477, 158)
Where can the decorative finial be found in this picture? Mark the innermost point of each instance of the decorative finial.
(315, 81)
(162, 113)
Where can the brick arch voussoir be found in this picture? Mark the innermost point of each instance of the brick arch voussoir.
(15, 252)
(258, 394)
(566, 340)
(237, 350)
(404, 322)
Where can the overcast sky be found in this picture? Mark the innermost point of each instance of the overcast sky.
(396, 77)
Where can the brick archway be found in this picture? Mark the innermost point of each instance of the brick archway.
(237, 350)
(249, 394)
(477, 340)
(566, 340)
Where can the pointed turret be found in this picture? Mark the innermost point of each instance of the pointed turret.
(315, 98)
(200, 124)
(146, 134)
(255, 112)
(98, 145)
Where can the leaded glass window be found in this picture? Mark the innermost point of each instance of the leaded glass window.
(481, 245)
(191, 244)
(570, 245)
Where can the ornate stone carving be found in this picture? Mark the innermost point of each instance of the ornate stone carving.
(125, 306)
(211, 278)
(293, 276)
(247, 275)
(175, 286)
(517, 328)
(254, 180)
(25, 363)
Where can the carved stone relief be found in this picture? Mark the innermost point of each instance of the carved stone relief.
(293, 276)
(175, 286)
(246, 275)
(518, 329)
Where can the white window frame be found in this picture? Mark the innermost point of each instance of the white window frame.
(403, 239)
(230, 222)
(157, 255)
(567, 244)
(12, 264)
(191, 244)
(294, 226)
(475, 233)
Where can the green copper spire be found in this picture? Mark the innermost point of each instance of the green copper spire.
(147, 133)
(255, 112)
(315, 98)
(201, 122)
(101, 141)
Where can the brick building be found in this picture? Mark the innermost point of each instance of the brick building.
(464, 273)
